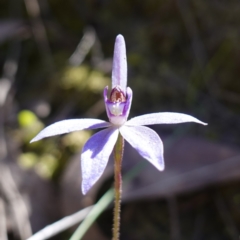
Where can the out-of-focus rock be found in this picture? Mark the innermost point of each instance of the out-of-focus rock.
(190, 164)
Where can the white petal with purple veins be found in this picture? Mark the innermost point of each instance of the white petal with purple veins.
(162, 118)
(95, 155)
(119, 68)
(70, 125)
(146, 142)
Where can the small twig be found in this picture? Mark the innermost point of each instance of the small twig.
(3, 225)
(84, 46)
(14, 198)
(39, 31)
(61, 225)
(9, 72)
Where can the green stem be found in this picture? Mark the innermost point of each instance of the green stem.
(97, 209)
(118, 155)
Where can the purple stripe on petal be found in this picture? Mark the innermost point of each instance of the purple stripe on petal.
(147, 143)
(70, 125)
(162, 118)
(119, 68)
(95, 155)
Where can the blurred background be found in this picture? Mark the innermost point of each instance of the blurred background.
(183, 56)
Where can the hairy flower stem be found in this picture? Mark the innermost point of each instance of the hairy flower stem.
(118, 155)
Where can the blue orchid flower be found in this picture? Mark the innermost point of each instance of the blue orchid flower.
(98, 148)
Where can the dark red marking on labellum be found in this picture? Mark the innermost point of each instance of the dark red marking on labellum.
(117, 95)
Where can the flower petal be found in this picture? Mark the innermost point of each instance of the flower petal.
(95, 155)
(146, 142)
(70, 125)
(128, 102)
(119, 69)
(162, 118)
